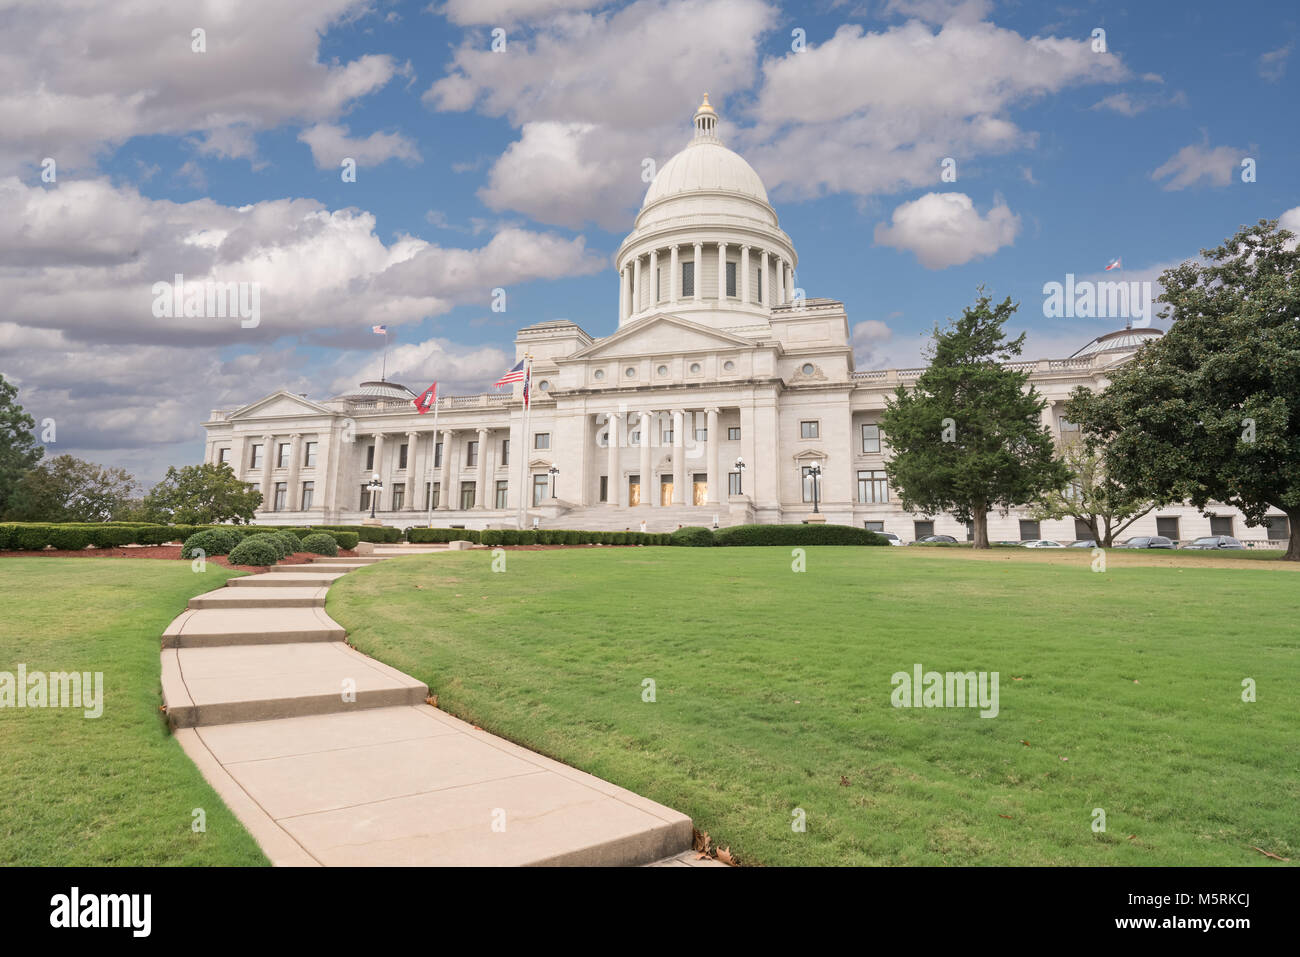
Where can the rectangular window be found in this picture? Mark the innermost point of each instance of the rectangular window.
(282, 457)
(921, 529)
(731, 279)
(365, 498)
(431, 490)
(541, 488)
(370, 458)
(505, 451)
(281, 494)
(870, 439)
(1029, 530)
(503, 489)
(733, 483)
(223, 456)
(872, 486)
(604, 488)
(688, 279)
(733, 434)
(542, 440)
(399, 496)
(806, 471)
(466, 494)
(701, 435)
(1278, 528)
(257, 457)
(658, 274)
(809, 430)
(471, 453)
(874, 526)
(1221, 525)
(308, 492)
(437, 455)
(666, 437)
(634, 438)
(311, 456)
(1168, 527)
(759, 297)
(1081, 530)
(1068, 426)
(401, 457)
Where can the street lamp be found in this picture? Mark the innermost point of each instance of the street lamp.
(374, 488)
(554, 470)
(815, 470)
(740, 467)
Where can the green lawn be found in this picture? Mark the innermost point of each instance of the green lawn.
(116, 789)
(1119, 690)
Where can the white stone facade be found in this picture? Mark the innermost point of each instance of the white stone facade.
(718, 357)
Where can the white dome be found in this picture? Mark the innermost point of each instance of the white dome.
(705, 166)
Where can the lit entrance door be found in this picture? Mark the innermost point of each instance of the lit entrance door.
(634, 490)
(700, 488)
(665, 490)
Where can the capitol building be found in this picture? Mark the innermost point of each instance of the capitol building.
(721, 395)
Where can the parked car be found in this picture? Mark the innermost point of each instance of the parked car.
(1007, 542)
(1041, 543)
(1083, 543)
(938, 538)
(1147, 541)
(1214, 541)
(893, 539)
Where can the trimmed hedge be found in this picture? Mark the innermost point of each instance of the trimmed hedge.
(367, 533)
(291, 542)
(796, 535)
(213, 541)
(694, 536)
(321, 543)
(256, 550)
(72, 536)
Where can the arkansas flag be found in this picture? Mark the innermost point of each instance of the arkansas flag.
(1114, 264)
(427, 399)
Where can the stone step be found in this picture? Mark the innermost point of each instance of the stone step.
(313, 568)
(311, 596)
(236, 683)
(357, 560)
(287, 580)
(212, 627)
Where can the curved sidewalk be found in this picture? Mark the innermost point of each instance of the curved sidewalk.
(329, 757)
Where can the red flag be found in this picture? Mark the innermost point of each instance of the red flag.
(427, 399)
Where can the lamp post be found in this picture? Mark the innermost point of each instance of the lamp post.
(374, 488)
(740, 467)
(815, 470)
(554, 471)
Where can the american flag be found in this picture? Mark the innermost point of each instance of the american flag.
(516, 374)
(528, 382)
(379, 330)
(1114, 264)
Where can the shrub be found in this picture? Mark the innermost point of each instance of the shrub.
(490, 536)
(255, 550)
(6, 536)
(31, 538)
(427, 535)
(69, 538)
(292, 543)
(693, 535)
(212, 542)
(810, 534)
(346, 540)
(320, 543)
(117, 536)
(271, 539)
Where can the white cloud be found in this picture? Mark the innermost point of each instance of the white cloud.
(940, 11)
(945, 229)
(1131, 104)
(1190, 165)
(504, 12)
(1272, 65)
(868, 339)
(330, 145)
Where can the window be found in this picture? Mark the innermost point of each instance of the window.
(256, 462)
(872, 486)
(922, 529)
(695, 368)
(542, 440)
(807, 368)
(1277, 526)
(874, 526)
(635, 438)
(630, 372)
(282, 456)
(541, 488)
(733, 434)
(688, 279)
(471, 453)
(733, 483)
(598, 374)
(311, 456)
(662, 370)
(503, 489)
(401, 457)
(505, 451)
(701, 435)
(1221, 525)
(466, 494)
(808, 484)
(544, 386)
(604, 488)
(1081, 530)
(223, 456)
(870, 439)
(1168, 527)
(760, 284)
(1029, 530)
(1068, 426)
(308, 491)
(731, 279)
(370, 458)
(281, 494)
(365, 497)
(399, 496)
(809, 430)
(431, 490)
(437, 455)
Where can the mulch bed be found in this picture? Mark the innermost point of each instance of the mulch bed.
(170, 552)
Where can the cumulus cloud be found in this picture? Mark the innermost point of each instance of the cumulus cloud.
(945, 229)
(940, 11)
(1131, 104)
(1199, 163)
(868, 339)
(331, 144)
(498, 12)
(1272, 65)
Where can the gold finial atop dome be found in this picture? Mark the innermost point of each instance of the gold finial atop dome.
(706, 121)
(705, 107)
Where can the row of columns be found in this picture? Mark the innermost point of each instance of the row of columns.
(418, 463)
(617, 489)
(631, 288)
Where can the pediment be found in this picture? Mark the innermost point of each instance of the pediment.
(661, 334)
(808, 456)
(279, 404)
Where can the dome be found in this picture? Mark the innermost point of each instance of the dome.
(1124, 340)
(705, 166)
(380, 389)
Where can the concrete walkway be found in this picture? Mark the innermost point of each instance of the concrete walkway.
(329, 757)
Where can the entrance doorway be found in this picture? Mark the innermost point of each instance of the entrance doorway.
(665, 490)
(634, 490)
(700, 488)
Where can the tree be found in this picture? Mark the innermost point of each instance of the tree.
(202, 495)
(1210, 412)
(67, 489)
(969, 437)
(1091, 496)
(19, 450)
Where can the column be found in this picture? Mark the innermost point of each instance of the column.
(722, 272)
(766, 279)
(238, 464)
(679, 457)
(779, 282)
(789, 283)
(654, 278)
(386, 495)
(615, 481)
(293, 495)
(268, 461)
(325, 468)
(698, 268)
(711, 456)
(675, 277)
(414, 485)
(480, 479)
(646, 418)
(444, 476)
(636, 286)
(623, 298)
(744, 274)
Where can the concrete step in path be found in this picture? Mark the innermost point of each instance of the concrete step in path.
(329, 757)
(314, 568)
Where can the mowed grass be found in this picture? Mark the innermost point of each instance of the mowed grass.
(1119, 690)
(116, 789)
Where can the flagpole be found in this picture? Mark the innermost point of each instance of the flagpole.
(523, 464)
(383, 374)
(437, 401)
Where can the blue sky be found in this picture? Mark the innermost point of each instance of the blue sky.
(521, 169)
